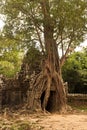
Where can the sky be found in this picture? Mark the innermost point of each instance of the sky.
(1, 24)
(84, 44)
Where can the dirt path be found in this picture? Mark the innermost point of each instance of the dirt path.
(61, 122)
(48, 121)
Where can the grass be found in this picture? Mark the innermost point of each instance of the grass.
(84, 108)
(79, 107)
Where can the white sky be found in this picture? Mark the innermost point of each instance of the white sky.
(1, 24)
(84, 44)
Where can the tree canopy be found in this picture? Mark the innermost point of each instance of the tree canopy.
(75, 72)
(10, 63)
(24, 22)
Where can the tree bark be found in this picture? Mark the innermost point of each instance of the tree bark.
(53, 69)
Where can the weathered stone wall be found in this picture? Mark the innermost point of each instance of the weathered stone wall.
(77, 99)
(16, 92)
(12, 92)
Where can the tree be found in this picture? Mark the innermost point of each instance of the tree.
(53, 25)
(10, 62)
(75, 72)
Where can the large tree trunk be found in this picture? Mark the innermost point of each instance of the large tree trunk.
(50, 77)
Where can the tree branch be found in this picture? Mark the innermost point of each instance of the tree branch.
(62, 60)
(41, 44)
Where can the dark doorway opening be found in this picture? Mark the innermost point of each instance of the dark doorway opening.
(51, 105)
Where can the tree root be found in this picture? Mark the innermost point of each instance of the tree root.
(42, 83)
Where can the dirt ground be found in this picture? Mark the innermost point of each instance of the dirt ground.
(69, 121)
(62, 122)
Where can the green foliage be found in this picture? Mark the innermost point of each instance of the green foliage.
(24, 25)
(75, 72)
(6, 68)
(10, 63)
(24, 18)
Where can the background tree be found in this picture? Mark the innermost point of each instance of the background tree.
(75, 72)
(10, 62)
(11, 56)
(53, 25)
